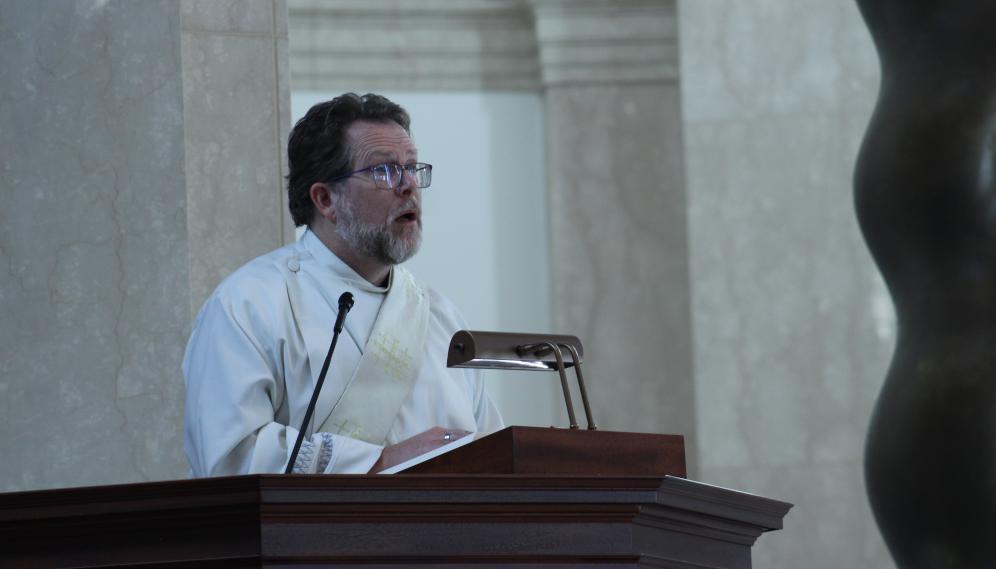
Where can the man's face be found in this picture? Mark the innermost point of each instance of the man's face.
(384, 224)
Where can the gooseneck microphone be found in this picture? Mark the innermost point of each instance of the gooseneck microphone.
(345, 304)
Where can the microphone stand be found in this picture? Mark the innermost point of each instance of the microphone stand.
(345, 304)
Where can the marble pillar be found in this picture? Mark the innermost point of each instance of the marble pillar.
(793, 324)
(118, 148)
(619, 255)
(236, 101)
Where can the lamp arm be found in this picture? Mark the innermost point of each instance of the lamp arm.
(584, 392)
(563, 377)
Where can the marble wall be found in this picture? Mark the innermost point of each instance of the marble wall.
(94, 278)
(793, 326)
(116, 151)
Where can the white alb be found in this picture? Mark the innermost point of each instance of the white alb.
(258, 345)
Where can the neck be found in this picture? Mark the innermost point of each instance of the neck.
(373, 272)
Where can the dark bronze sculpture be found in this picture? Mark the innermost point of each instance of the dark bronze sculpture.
(925, 192)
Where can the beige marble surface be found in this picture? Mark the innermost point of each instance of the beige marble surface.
(236, 102)
(612, 43)
(619, 254)
(375, 45)
(140, 162)
(793, 327)
(93, 270)
(619, 269)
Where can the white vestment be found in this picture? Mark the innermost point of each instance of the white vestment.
(252, 363)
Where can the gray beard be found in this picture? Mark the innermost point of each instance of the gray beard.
(378, 241)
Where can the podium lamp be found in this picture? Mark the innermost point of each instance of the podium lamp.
(530, 352)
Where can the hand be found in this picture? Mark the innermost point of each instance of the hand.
(416, 446)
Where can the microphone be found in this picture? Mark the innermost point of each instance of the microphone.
(345, 304)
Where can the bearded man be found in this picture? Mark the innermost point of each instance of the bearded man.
(258, 344)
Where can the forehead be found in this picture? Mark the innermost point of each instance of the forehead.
(380, 140)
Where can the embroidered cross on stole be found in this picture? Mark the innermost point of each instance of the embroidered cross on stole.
(388, 367)
(368, 406)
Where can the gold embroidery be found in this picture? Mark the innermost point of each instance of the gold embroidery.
(410, 287)
(392, 356)
(353, 433)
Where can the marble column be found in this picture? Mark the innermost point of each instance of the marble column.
(236, 102)
(619, 256)
(137, 142)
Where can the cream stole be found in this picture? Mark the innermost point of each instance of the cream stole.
(368, 406)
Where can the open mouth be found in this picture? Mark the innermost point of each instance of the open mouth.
(406, 217)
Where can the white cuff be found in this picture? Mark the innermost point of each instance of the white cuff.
(315, 455)
(351, 456)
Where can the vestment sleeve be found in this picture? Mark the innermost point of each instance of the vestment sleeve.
(237, 407)
(234, 388)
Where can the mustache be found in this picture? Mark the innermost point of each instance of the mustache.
(410, 205)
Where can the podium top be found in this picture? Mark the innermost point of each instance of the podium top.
(401, 519)
(287, 489)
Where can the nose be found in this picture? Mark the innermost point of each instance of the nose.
(408, 184)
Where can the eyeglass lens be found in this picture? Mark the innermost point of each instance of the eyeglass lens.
(388, 176)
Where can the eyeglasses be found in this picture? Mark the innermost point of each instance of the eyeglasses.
(388, 176)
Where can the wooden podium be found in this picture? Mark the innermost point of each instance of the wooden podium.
(453, 520)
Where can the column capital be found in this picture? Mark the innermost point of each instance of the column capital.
(413, 45)
(593, 42)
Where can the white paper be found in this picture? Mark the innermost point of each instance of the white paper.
(434, 453)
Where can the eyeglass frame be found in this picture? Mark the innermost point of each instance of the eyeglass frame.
(410, 168)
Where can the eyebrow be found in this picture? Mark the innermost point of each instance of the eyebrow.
(378, 155)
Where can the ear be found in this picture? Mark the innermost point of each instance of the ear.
(325, 201)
